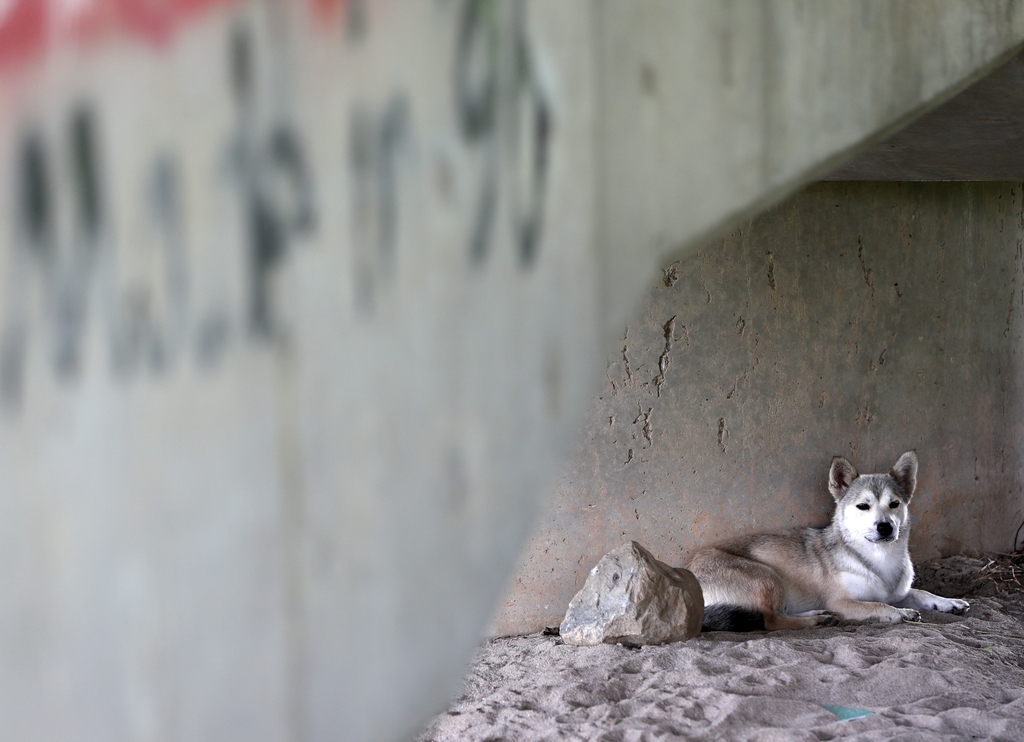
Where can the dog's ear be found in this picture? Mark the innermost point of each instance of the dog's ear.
(904, 471)
(840, 477)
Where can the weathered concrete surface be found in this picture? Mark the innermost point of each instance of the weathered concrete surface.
(711, 111)
(977, 135)
(301, 305)
(629, 595)
(855, 319)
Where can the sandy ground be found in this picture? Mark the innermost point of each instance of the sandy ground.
(945, 678)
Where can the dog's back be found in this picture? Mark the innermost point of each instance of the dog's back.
(762, 581)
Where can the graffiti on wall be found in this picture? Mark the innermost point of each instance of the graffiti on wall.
(374, 144)
(64, 261)
(63, 258)
(271, 174)
(504, 121)
(64, 265)
(30, 28)
(526, 120)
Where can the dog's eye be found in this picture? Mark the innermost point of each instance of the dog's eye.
(894, 504)
(863, 506)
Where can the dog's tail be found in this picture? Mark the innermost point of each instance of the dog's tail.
(725, 617)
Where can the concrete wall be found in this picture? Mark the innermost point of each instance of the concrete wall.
(857, 319)
(301, 305)
(712, 111)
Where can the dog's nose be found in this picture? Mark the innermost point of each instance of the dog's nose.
(884, 529)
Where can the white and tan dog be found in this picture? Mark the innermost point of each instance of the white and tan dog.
(856, 569)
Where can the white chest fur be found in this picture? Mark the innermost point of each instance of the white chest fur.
(863, 585)
(882, 574)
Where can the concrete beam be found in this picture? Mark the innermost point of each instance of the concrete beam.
(976, 135)
(711, 112)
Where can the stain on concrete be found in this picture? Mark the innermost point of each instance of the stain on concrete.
(357, 21)
(648, 79)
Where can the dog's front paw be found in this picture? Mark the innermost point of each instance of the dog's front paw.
(907, 614)
(956, 606)
(946, 605)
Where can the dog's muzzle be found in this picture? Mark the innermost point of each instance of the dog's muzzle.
(884, 530)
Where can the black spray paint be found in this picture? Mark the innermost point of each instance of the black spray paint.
(66, 275)
(276, 183)
(486, 115)
(476, 99)
(33, 241)
(143, 333)
(73, 279)
(534, 112)
(374, 147)
(498, 99)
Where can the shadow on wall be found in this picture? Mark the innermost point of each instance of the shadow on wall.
(859, 319)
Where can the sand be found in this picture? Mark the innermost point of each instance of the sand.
(945, 678)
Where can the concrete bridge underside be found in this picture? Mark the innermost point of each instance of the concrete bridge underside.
(303, 306)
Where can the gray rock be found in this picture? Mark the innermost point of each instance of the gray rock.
(630, 596)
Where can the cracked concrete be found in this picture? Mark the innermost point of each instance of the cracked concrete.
(799, 357)
(665, 359)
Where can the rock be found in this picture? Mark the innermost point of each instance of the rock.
(631, 597)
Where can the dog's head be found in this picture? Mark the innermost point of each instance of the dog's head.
(873, 506)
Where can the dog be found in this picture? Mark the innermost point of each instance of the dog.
(856, 569)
